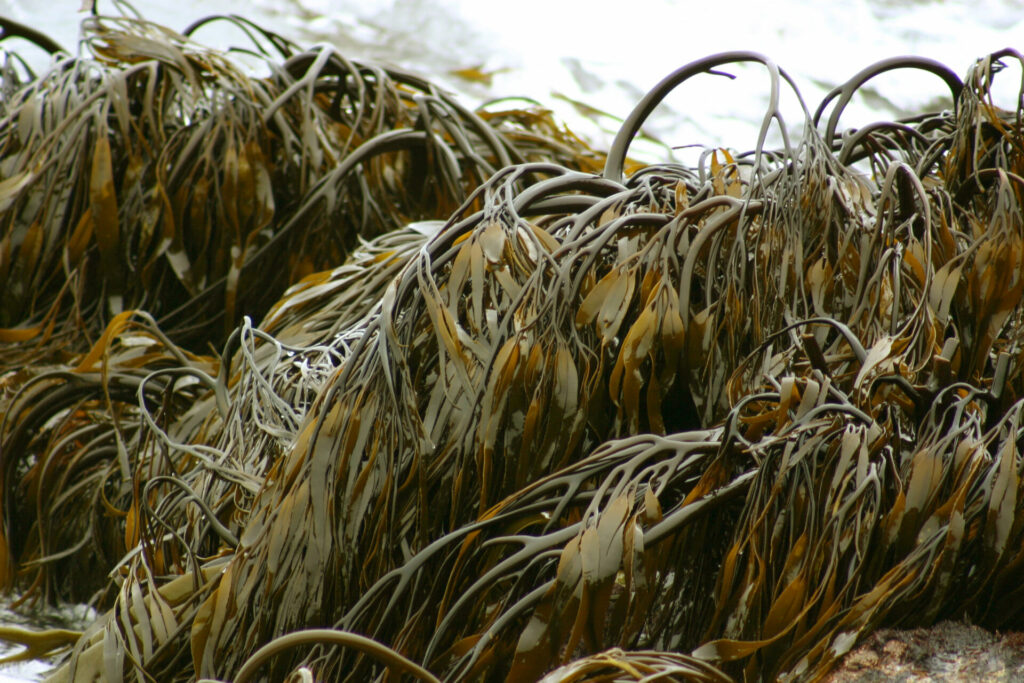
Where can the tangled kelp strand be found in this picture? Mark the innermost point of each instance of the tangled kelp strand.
(66, 436)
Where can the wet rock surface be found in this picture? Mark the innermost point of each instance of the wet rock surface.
(949, 651)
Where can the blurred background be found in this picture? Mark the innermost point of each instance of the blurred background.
(591, 61)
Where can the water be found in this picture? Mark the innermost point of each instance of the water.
(607, 55)
(74, 618)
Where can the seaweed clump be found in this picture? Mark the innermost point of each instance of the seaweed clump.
(577, 421)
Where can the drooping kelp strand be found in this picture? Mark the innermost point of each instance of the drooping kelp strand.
(549, 420)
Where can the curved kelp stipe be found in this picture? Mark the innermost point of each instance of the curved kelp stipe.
(845, 92)
(631, 126)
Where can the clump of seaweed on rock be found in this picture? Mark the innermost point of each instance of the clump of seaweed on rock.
(159, 174)
(574, 423)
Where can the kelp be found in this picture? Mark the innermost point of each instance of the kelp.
(161, 174)
(700, 423)
(70, 437)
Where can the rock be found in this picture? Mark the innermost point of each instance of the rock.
(949, 651)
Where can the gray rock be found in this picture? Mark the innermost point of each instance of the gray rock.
(949, 651)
